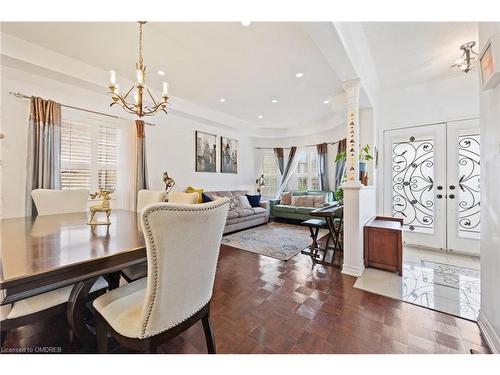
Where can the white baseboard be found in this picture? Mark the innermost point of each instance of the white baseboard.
(355, 271)
(489, 333)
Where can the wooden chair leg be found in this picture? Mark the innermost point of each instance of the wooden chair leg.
(209, 335)
(101, 334)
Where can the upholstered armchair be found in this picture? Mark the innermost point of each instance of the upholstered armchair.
(48, 304)
(182, 247)
(145, 197)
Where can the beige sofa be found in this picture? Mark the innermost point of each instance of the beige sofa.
(242, 218)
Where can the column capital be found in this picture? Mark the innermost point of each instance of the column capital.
(351, 84)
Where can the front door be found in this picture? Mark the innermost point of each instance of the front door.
(432, 182)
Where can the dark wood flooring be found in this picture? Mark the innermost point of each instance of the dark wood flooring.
(263, 305)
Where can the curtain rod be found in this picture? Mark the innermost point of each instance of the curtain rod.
(270, 148)
(22, 96)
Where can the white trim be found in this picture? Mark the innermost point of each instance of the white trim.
(489, 333)
(353, 270)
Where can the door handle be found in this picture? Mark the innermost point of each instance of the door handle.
(452, 196)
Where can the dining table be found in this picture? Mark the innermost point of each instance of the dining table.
(44, 253)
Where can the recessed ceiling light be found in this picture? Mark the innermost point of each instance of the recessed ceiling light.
(299, 75)
(260, 116)
(245, 23)
(326, 101)
(222, 100)
(161, 72)
(274, 101)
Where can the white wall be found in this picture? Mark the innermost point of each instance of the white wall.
(490, 203)
(429, 103)
(170, 144)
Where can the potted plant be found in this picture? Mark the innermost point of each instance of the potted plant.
(364, 157)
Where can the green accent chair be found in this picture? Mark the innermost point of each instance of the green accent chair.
(294, 212)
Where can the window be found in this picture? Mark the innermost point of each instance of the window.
(306, 176)
(89, 156)
(269, 169)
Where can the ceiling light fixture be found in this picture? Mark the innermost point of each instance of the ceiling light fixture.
(325, 102)
(245, 23)
(161, 72)
(260, 116)
(468, 59)
(274, 101)
(222, 100)
(137, 106)
(299, 75)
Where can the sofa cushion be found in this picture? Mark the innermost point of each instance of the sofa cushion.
(319, 200)
(232, 214)
(258, 210)
(284, 208)
(191, 189)
(244, 203)
(242, 212)
(305, 210)
(303, 201)
(254, 200)
(206, 198)
(286, 198)
(237, 220)
(234, 204)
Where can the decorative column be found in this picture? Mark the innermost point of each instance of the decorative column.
(359, 202)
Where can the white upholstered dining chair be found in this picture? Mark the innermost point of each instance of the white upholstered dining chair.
(145, 197)
(181, 197)
(48, 304)
(182, 247)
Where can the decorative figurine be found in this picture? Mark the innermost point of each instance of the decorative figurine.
(168, 181)
(105, 195)
(260, 183)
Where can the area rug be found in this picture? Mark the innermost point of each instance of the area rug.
(275, 240)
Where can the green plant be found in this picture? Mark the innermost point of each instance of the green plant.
(364, 154)
(339, 194)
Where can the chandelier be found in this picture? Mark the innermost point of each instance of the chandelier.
(468, 59)
(139, 90)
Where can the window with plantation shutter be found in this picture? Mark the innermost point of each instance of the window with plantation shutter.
(89, 156)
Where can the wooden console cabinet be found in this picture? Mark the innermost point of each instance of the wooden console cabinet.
(383, 243)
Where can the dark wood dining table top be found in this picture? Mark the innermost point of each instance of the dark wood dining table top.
(327, 211)
(61, 249)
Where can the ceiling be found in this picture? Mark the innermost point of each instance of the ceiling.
(206, 61)
(410, 53)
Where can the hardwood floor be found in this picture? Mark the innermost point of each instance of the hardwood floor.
(263, 305)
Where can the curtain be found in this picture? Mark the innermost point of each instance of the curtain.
(291, 166)
(322, 149)
(141, 170)
(280, 160)
(341, 164)
(43, 164)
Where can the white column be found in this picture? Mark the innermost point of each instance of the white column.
(359, 202)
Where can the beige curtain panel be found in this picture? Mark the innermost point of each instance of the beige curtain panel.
(43, 163)
(322, 149)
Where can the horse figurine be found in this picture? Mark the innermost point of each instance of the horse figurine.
(105, 195)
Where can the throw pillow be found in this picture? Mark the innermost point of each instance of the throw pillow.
(286, 198)
(191, 189)
(303, 201)
(254, 200)
(234, 203)
(319, 200)
(244, 203)
(205, 198)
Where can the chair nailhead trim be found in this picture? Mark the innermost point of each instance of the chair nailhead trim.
(147, 226)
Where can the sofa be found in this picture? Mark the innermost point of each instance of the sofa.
(241, 218)
(278, 210)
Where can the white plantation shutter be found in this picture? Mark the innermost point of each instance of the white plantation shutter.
(89, 156)
(76, 156)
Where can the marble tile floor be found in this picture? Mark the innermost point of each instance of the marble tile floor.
(441, 281)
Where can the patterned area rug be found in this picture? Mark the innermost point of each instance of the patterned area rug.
(275, 240)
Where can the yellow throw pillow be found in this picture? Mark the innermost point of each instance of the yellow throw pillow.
(191, 189)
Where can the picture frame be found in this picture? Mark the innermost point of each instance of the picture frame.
(205, 152)
(228, 155)
(489, 63)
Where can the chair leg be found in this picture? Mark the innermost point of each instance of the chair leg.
(101, 334)
(209, 335)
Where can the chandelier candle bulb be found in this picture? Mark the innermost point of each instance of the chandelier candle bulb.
(112, 77)
(165, 89)
(139, 77)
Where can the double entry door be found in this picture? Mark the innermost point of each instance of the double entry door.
(432, 182)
